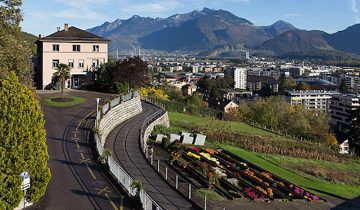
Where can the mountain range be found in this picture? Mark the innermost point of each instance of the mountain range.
(220, 33)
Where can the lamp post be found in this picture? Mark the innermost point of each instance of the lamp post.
(97, 111)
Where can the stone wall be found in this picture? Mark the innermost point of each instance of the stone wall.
(162, 120)
(117, 115)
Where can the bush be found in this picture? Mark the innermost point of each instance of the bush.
(158, 129)
(165, 143)
(277, 114)
(120, 87)
(22, 143)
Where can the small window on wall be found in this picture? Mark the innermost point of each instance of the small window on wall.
(55, 63)
(71, 63)
(95, 63)
(76, 48)
(96, 48)
(81, 63)
(56, 47)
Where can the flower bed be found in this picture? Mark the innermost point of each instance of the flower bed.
(235, 177)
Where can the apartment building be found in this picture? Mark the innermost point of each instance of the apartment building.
(312, 99)
(80, 50)
(239, 75)
(341, 107)
(256, 83)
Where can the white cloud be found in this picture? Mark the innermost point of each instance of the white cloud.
(82, 3)
(83, 14)
(354, 10)
(80, 9)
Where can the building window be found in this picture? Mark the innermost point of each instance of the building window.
(71, 63)
(96, 48)
(55, 63)
(76, 48)
(81, 63)
(56, 47)
(95, 63)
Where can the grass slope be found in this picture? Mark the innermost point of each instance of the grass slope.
(233, 126)
(76, 100)
(342, 190)
(274, 163)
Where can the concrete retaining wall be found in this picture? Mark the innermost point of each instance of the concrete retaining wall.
(162, 120)
(117, 115)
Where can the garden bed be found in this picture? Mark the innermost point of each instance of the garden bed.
(233, 177)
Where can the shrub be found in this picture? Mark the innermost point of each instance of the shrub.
(22, 143)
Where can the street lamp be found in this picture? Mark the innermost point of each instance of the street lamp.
(97, 111)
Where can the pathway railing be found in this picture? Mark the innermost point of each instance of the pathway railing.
(116, 170)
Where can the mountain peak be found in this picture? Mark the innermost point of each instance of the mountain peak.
(135, 16)
(207, 10)
(280, 24)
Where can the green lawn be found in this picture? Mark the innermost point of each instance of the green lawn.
(282, 166)
(233, 126)
(348, 191)
(76, 100)
(210, 194)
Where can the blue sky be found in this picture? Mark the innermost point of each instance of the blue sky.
(43, 16)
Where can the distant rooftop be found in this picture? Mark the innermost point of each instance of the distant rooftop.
(315, 81)
(312, 92)
(73, 34)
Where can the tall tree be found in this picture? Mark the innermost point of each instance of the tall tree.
(63, 73)
(286, 83)
(354, 131)
(15, 52)
(104, 76)
(303, 86)
(132, 70)
(343, 87)
(266, 91)
(22, 143)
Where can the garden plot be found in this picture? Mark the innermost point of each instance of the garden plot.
(233, 177)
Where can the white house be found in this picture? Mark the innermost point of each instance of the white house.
(80, 50)
(344, 147)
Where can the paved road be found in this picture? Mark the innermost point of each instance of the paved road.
(78, 182)
(124, 144)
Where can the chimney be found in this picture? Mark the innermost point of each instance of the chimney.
(58, 28)
(66, 27)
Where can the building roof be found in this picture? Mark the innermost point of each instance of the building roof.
(310, 81)
(312, 92)
(73, 34)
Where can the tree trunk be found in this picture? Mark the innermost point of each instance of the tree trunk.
(62, 81)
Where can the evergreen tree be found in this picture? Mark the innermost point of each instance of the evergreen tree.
(354, 131)
(22, 143)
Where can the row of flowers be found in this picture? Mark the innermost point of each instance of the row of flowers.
(260, 179)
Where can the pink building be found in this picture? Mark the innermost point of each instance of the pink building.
(80, 50)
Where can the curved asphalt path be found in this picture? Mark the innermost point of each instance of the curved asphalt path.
(124, 144)
(77, 182)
